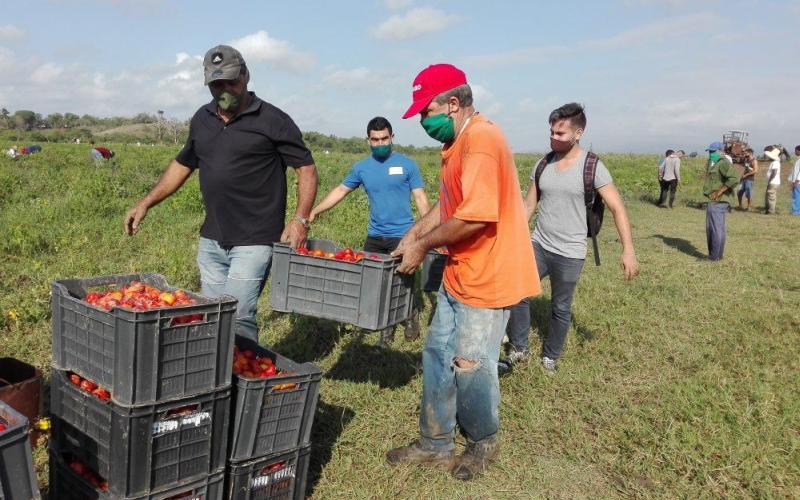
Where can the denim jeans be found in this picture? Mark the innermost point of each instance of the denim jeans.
(716, 229)
(564, 273)
(796, 200)
(240, 272)
(452, 394)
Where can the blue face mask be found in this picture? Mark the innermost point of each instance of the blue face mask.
(382, 151)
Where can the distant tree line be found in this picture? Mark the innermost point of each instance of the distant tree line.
(24, 120)
(25, 124)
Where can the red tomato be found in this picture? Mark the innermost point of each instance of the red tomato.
(3, 427)
(75, 379)
(77, 467)
(102, 394)
(88, 385)
(302, 251)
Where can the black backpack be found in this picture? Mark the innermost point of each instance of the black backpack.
(594, 203)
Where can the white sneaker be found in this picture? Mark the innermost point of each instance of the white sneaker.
(549, 365)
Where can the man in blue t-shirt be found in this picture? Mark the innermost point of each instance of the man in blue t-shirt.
(389, 179)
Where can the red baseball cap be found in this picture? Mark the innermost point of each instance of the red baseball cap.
(432, 81)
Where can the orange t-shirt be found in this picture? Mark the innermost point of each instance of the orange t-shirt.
(495, 267)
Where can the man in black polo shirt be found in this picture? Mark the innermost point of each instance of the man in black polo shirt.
(241, 146)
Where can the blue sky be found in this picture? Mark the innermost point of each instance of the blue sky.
(652, 74)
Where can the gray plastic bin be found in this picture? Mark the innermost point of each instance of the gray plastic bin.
(142, 357)
(17, 476)
(368, 294)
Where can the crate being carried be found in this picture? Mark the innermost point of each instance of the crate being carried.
(367, 293)
(17, 476)
(135, 451)
(275, 477)
(271, 413)
(143, 356)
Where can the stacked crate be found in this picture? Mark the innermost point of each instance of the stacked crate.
(270, 439)
(163, 432)
(17, 476)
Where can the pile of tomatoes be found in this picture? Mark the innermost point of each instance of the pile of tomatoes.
(140, 297)
(90, 387)
(344, 255)
(88, 474)
(246, 364)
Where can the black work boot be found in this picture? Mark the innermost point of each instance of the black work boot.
(415, 454)
(475, 459)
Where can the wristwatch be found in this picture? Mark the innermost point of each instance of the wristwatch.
(302, 220)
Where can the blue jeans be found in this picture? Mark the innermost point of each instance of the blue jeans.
(452, 394)
(746, 189)
(564, 273)
(716, 230)
(240, 272)
(796, 200)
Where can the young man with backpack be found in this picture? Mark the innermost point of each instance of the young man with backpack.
(570, 187)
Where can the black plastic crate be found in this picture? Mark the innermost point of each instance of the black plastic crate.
(276, 477)
(140, 449)
(368, 294)
(66, 485)
(269, 420)
(433, 270)
(142, 357)
(17, 476)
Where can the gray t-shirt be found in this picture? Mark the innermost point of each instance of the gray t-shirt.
(561, 221)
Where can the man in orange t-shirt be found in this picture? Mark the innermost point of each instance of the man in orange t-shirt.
(481, 219)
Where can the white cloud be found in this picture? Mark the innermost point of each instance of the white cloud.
(46, 73)
(485, 101)
(353, 79)
(666, 29)
(260, 47)
(397, 4)
(10, 33)
(414, 23)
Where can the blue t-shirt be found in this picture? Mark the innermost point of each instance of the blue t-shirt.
(388, 184)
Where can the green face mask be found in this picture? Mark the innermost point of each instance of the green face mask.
(439, 127)
(228, 101)
(382, 151)
(715, 156)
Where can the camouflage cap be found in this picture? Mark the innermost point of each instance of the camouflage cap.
(222, 62)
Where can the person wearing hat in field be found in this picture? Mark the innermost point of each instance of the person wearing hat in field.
(773, 178)
(481, 219)
(390, 180)
(241, 147)
(721, 179)
(99, 153)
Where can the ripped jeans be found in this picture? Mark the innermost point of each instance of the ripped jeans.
(453, 394)
(240, 272)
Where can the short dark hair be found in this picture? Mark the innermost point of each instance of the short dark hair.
(571, 111)
(797, 147)
(379, 123)
(749, 150)
(669, 152)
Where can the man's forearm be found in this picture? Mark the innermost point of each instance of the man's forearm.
(623, 229)
(427, 223)
(451, 231)
(306, 189)
(169, 182)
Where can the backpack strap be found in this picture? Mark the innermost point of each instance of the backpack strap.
(589, 171)
(589, 194)
(538, 172)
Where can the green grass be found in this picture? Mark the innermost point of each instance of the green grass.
(682, 383)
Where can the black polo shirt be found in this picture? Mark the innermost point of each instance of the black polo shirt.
(242, 168)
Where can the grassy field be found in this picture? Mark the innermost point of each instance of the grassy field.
(682, 383)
